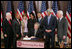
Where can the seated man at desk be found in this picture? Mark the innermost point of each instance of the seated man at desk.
(36, 32)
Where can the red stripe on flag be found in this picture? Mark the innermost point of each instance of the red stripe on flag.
(68, 19)
(20, 17)
(27, 16)
(69, 29)
(68, 35)
(23, 11)
(70, 14)
(42, 15)
(17, 12)
(45, 13)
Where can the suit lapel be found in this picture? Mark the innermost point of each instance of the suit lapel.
(7, 22)
(61, 20)
(17, 22)
(47, 20)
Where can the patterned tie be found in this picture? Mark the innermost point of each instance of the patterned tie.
(9, 22)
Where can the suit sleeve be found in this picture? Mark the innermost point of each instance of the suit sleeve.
(54, 24)
(4, 27)
(43, 26)
(28, 25)
(65, 27)
(13, 24)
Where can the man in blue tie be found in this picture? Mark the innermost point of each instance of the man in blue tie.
(49, 25)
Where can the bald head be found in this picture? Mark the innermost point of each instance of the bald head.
(60, 13)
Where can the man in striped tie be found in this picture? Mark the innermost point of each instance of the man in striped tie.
(62, 27)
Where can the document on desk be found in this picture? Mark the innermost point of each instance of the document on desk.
(30, 38)
(26, 38)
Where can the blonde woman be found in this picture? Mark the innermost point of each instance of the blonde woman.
(24, 29)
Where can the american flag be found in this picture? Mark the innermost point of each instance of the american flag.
(1, 20)
(20, 9)
(43, 8)
(54, 8)
(30, 9)
(68, 17)
(9, 7)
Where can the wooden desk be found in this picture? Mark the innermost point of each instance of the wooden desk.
(30, 43)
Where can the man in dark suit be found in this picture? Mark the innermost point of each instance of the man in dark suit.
(36, 32)
(49, 25)
(40, 19)
(16, 29)
(7, 31)
(62, 28)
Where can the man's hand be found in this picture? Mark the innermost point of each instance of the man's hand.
(17, 35)
(5, 35)
(64, 37)
(48, 30)
(44, 37)
(56, 29)
(26, 36)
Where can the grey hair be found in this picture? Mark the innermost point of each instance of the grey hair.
(60, 11)
(8, 13)
(37, 24)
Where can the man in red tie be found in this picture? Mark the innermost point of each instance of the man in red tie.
(7, 30)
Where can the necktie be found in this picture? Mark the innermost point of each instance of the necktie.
(48, 20)
(59, 19)
(9, 22)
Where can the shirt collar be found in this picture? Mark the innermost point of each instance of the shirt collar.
(61, 18)
(49, 16)
(39, 18)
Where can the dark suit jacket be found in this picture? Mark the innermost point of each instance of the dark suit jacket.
(62, 27)
(50, 26)
(30, 24)
(7, 28)
(40, 21)
(38, 33)
(16, 28)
